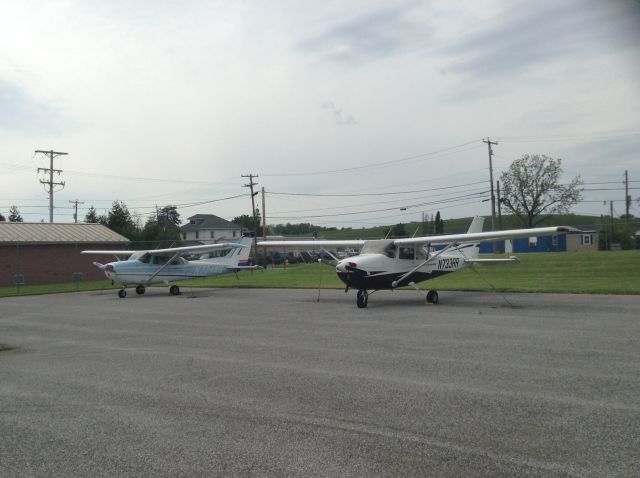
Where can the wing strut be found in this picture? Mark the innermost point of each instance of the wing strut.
(395, 283)
(163, 266)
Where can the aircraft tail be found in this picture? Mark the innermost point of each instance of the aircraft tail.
(237, 257)
(244, 252)
(472, 251)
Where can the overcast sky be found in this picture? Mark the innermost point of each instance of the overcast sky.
(166, 102)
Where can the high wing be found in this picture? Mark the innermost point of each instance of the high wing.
(485, 236)
(310, 244)
(172, 251)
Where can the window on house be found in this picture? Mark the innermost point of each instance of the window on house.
(197, 235)
(235, 233)
(586, 239)
(184, 236)
(211, 235)
(554, 241)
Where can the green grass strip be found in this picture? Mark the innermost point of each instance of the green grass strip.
(602, 272)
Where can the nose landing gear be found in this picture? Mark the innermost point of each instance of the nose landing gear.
(362, 298)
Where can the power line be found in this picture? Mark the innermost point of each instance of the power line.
(374, 194)
(374, 165)
(342, 205)
(442, 201)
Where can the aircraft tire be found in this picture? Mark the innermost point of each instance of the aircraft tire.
(140, 290)
(362, 299)
(174, 290)
(432, 297)
(122, 293)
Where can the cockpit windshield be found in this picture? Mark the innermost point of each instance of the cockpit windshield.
(381, 246)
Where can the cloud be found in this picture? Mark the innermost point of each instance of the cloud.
(526, 34)
(369, 36)
(21, 112)
(341, 118)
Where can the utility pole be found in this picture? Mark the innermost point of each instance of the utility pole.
(611, 222)
(264, 227)
(52, 154)
(76, 202)
(493, 197)
(499, 206)
(627, 198)
(253, 208)
(264, 218)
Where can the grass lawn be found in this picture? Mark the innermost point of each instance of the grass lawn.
(602, 272)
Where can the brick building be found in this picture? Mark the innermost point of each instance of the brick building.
(41, 253)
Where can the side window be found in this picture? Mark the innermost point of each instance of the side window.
(406, 253)
(390, 251)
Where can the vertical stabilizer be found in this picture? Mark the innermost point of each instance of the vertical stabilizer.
(237, 256)
(476, 226)
(244, 252)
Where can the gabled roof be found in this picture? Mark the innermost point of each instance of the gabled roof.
(57, 233)
(207, 221)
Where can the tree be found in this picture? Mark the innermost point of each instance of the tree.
(532, 191)
(14, 214)
(439, 224)
(92, 216)
(398, 231)
(162, 226)
(2, 218)
(121, 221)
(245, 221)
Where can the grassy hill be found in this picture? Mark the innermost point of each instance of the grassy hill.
(457, 225)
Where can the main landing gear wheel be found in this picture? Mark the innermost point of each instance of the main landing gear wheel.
(122, 293)
(362, 298)
(174, 290)
(432, 297)
(140, 290)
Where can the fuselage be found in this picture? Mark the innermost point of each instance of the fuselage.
(135, 271)
(382, 265)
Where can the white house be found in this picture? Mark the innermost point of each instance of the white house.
(209, 228)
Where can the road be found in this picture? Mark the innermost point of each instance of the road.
(232, 382)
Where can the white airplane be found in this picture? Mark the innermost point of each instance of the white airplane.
(392, 263)
(143, 268)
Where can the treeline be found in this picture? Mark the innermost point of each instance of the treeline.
(161, 227)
